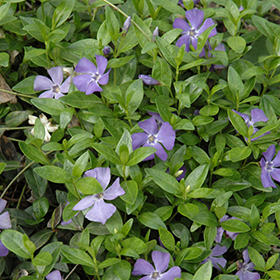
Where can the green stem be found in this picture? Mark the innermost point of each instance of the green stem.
(21, 195)
(15, 128)
(16, 93)
(172, 217)
(68, 275)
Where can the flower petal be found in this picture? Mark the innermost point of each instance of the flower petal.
(276, 161)
(182, 24)
(93, 87)
(149, 126)
(218, 250)
(5, 221)
(160, 151)
(65, 86)
(56, 75)
(114, 191)
(206, 24)
(142, 267)
(171, 274)
(266, 179)
(270, 152)
(247, 275)
(101, 174)
(47, 94)
(101, 211)
(58, 95)
(166, 136)
(245, 255)
(3, 250)
(275, 174)
(85, 66)
(139, 139)
(82, 82)
(257, 115)
(185, 39)
(221, 261)
(3, 202)
(104, 79)
(195, 17)
(244, 116)
(101, 62)
(219, 235)
(42, 83)
(55, 275)
(85, 203)
(161, 260)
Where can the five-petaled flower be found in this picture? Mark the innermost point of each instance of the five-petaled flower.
(5, 223)
(217, 251)
(54, 87)
(257, 115)
(92, 76)
(153, 136)
(191, 34)
(269, 167)
(49, 127)
(245, 268)
(161, 261)
(100, 211)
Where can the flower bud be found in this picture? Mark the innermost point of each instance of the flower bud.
(106, 50)
(149, 80)
(155, 34)
(126, 25)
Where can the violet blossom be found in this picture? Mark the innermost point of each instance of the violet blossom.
(245, 268)
(54, 87)
(100, 211)
(269, 167)
(161, 261)
(5, 223)
(55, 275)
(217, 251)
(149, 80)
(153, 136)
(92, 76)
(257, 115)
(191, 33)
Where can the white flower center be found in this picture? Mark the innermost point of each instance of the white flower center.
(99, 195)
(95, 76)
(152, 139)
(269, 166)
(155, 275)
(249, 123)
(192, 33)
(55, 88)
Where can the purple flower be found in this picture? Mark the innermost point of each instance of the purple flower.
(245, 268)
(149, 80)
(5, 223)
(269, 167)
(55, 275)
(126, 25)
(153, 136)
(93, 76)
(155, 34)
(257, 115)
(216, 252)
(53, 87)
(161, 261)
(106, 50)
(100, 211)
(190, 34)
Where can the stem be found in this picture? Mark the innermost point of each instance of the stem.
(15, 128)
(16, 93)
(71, 272)
(21, 195)
(21, 172)
(120, 11)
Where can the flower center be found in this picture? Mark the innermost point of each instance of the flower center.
(96, 76)
(155, 275)
(99, 195)
(269, 166)
(55, 88)
(249, 123)
(192, 33)
(152, 139)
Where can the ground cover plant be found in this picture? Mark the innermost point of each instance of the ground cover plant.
(139, 139)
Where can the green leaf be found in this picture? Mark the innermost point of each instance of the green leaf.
(235, 226)
(167, 182)
(237, 43)
(139, 155)
(4, 9)
(36, 28)
(188, 210)
(200, 193)
(108, 153)
(42, 259)
(209, 110)
(119, 62)
(25, 86)
(271, 261)
(131, 191)
(197, 177)
(108, 262)
(13, 240)
(238, 123)
(235, 84)
(89, 185)
(274, 274)
(239, 153)
(77, 256)
(188, 254)
(122, 270)
(134, 96)
(80, 165)
(4, 57)
(40, 207)
(204, 272)
(62, 12)
(151, 220)
(167, 51)
(256, 258)
(167, 239)
(112, 23)
(137, 244)
(53, 173)
(50, 106)
(33, 153)
(80, 100)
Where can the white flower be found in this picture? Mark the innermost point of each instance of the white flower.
(48, 125)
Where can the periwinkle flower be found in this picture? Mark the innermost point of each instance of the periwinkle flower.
(5, 223)
(161, 261)
(54, 87)
(191, 33)
(269, 167)
(126, 25)
(55, 275)
(153, 136)
(149, 80)
(92, 76)
(257, 115)
(217, 251)
(100, 211)
(245, 268)
(49, 127)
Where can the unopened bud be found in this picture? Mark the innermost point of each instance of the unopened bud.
(178, 173)
(149, 80)
(188, 188)
(155, 34)
(106, 50)
(126, 25)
